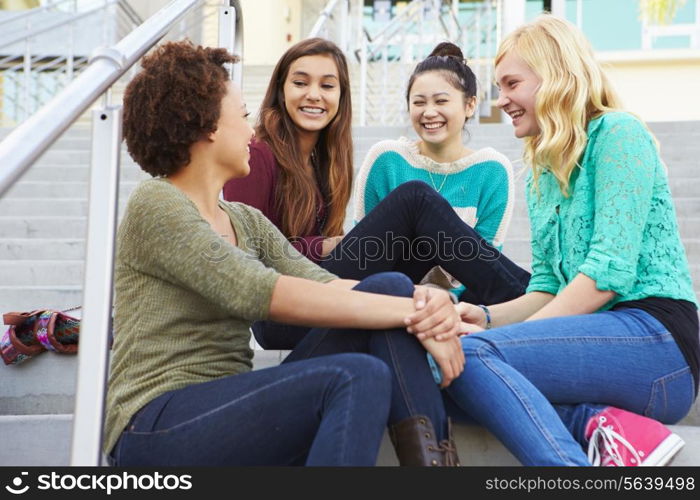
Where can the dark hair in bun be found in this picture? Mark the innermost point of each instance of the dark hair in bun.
(448, 59)
(447, 49)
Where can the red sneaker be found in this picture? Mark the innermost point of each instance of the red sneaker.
(619, 438)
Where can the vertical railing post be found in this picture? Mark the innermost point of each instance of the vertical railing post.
(344, 25)
(71, 52)
(27, 69)
(96, 322)
(228, 35)
(363, 81)
(385, 77)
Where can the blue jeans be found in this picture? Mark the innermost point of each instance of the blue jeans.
(412, 230)
(324, 411)
(536, 384)
(414, 391)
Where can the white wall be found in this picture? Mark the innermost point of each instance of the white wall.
(270, 27)
(659, 85)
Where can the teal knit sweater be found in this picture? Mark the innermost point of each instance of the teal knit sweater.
(618, 226)
(478, 186)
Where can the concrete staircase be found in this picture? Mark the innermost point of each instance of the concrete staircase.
(42, 236)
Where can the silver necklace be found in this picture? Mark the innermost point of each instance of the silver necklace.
(442, 184)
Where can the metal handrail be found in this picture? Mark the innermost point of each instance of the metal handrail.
(32, 12)
(322, 18)
(55, 25)
(28, 141)
(133, 16)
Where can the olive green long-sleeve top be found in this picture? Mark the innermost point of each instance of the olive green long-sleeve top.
(185, 298)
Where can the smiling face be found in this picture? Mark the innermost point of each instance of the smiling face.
(518, 86)
(233, 134)
(438, 110)
(312, 92)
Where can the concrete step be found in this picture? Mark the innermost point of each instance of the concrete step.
(44, 440)
(35, 440)
(47, 207)
(45, 384)
(35, 207)
(59, 190)
(41, 272)
(478, 447)
(42, 249)
(77, 173)
(25, 297)
(42, 227)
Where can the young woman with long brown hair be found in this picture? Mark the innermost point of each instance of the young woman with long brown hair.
(301, 160)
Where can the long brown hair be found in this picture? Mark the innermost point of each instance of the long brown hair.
(297, 190)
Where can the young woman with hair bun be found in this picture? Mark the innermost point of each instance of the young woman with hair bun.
(441, 98)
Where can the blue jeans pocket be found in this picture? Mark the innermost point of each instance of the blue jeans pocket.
(671, 397)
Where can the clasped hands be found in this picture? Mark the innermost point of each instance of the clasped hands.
(437, 323)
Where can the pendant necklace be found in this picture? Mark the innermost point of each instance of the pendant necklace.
(430, 175)
(442, 184)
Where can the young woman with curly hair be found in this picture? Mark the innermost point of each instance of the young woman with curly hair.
(193, 272)
(603, 347)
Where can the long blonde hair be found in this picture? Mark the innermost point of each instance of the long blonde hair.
(574, 90)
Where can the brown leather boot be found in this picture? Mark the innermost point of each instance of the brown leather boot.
(415, 443)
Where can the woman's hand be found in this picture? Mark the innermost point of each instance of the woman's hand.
(449, 356)
(472, 317)
(435, 316)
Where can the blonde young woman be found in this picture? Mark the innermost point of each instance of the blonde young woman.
(606, 337)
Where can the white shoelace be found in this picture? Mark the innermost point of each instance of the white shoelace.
(609, 438)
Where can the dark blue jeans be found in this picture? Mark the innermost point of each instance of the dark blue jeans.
(323, 411)
(412, 230)
(414, 391)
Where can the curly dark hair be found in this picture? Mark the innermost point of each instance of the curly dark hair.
(172, 103)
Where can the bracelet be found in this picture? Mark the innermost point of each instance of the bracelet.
(488, 315)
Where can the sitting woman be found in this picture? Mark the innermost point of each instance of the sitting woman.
(193, 272)
(441, 98)
(603, 347)
(301, 176)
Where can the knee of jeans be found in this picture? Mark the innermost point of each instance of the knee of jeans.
(475, 346)
(411, 187)
(366, 368)
(389, 283)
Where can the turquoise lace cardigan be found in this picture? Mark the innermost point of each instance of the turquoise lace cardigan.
(618, 226)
